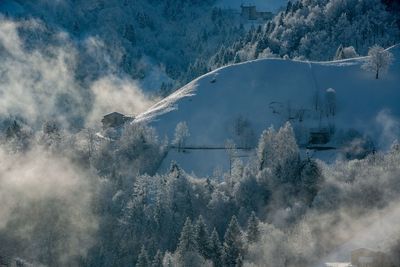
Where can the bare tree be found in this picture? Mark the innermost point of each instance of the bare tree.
(378, 60)
(230, 148)
(181, 135)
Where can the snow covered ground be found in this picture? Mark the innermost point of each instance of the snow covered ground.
(269, 92)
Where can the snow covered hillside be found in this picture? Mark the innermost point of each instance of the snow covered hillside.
(239, 101)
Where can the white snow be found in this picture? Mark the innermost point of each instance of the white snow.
(247, 90)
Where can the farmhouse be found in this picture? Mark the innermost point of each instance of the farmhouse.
(320, 136)
(114, 119)
(249, 12)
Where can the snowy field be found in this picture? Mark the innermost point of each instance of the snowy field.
(267, 93)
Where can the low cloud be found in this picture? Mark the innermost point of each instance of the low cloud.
(357, 206)
(36, 84)
(45, 207)
(42, 80)
(389, 126)
(47, 215)
(112, 93)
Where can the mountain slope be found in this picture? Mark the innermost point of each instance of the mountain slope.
(152, 41)
(257, 94)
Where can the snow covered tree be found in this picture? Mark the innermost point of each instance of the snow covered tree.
(168, 260)
(249, 193)
(342, 30)
(287, 149)
(143, 259)
(52, 134)
(215, 249)
(265, 147)
(202, 238)
(378, 60)
(277, 148)
(187, 252)
(158, 260)
(239, 261)
(253, 231)
(181, 135)
(233, 243)
(187, 240)
(310, 180)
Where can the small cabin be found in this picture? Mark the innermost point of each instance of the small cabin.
(114, 119)
(319, 137)
(368, 258)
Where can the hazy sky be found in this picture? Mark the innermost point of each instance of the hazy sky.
(268, 5)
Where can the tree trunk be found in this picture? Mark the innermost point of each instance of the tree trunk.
(377, 74)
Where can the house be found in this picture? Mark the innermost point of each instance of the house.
(319, 136)
(114, 119)
(249, 12)
(368, 258)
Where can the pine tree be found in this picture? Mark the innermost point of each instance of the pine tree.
(265, 148)
(310, 179)
(215, 249)
(289, 7)
(143, 259)
(187, 240)
(239, 261)
(158, 260)
(168, 260)
(202, 238)
(253, 231)
(233, 244)
(187, 251)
